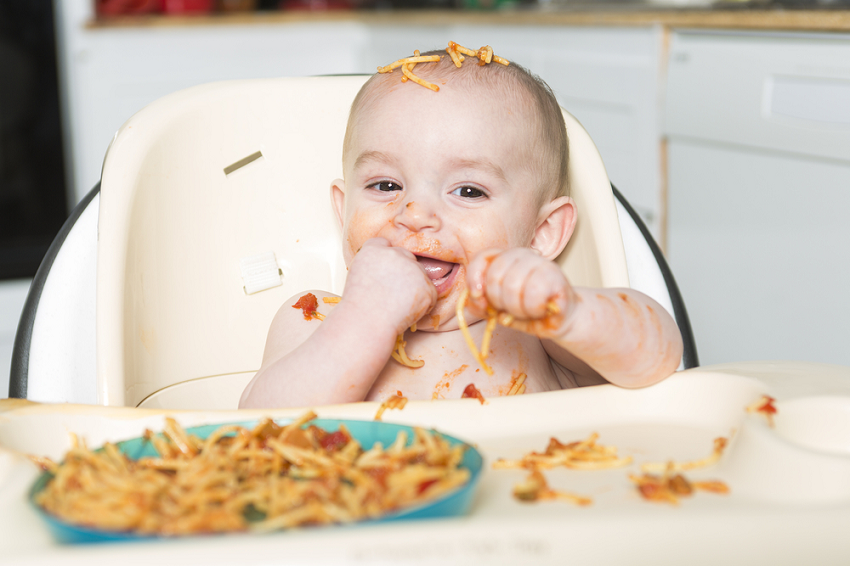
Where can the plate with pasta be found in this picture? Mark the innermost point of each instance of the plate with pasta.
(255, 477)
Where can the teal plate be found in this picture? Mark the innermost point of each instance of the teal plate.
(452, 504)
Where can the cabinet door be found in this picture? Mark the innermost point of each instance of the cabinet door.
(759, 169)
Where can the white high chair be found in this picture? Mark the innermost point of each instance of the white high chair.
(213, 192)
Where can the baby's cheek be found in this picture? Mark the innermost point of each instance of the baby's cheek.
(485, 235)
(360, 227)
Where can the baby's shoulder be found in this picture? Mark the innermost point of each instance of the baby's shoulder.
(299, 315)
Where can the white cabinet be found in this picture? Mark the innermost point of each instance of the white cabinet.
(759, 173)
(609, 78)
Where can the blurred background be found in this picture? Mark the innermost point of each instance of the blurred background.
(725, 124)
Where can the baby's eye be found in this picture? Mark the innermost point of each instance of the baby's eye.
(468, 192)
(385, 186)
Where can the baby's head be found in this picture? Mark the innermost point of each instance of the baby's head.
(511, 84)
(480, 164)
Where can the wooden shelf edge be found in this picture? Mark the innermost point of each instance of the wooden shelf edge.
(761, 20)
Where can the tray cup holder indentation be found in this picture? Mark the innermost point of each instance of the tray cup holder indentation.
(804, 458)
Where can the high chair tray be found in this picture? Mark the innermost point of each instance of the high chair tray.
(789, 499)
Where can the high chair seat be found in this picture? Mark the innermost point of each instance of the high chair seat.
(213, 209)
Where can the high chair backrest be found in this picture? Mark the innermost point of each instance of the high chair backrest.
(201, 186)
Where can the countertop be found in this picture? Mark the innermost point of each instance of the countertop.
(607, 14)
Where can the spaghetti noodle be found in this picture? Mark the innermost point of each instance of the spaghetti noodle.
(397, 401)
(582, 455)
(671, 466)
(400, 355)
(764, 406)
(535, 488)
(670, 486)
(456, 52)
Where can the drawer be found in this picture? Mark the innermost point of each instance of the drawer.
(783, 92)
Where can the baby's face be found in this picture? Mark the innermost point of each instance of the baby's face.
(443, 174)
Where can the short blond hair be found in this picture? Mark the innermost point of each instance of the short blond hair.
(513, 80)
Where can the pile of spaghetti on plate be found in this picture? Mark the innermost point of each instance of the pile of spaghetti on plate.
(262, 478)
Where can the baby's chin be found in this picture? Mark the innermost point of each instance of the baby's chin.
(443, 317)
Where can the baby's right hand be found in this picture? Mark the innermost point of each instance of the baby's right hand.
(389, 285)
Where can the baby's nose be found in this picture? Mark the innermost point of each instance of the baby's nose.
(417, 216)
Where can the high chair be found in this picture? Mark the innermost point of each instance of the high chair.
(212, 210)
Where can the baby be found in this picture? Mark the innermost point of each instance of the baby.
(460, 189)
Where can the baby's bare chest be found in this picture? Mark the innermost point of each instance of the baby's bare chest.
(449, 366)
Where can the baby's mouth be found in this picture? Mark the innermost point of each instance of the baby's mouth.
(441, 273)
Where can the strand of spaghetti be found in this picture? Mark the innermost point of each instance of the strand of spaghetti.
(488, 333)
(409, 66)
(394, 402)
(457, 58)
(485, 55)
(423, 59)
(717, 452)
(461, 322)
(409, 74)
(460, 48)
(400, 355)
(518, 385)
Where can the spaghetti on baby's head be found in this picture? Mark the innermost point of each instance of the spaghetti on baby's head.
(513, 82)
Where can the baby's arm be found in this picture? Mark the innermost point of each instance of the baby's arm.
(619, 334)
(308, 362)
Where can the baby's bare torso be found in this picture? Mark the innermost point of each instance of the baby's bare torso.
(450, 366)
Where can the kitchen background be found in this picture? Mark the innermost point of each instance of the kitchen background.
(727, 126)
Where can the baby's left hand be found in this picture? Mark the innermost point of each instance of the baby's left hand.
(521, 283)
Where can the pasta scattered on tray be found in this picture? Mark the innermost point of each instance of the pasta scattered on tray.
(535, 488)
(670, 486)
(764, 406)
(397, 401)
(582, 455)
(664, 482)
(260, 479)
(659, 467)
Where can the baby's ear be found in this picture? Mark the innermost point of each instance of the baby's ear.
(555, 224)
(338, 199)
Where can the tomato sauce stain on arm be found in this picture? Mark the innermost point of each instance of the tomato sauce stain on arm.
(308, 304)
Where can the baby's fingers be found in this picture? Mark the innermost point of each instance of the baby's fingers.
(476, 274)
(541, 292)
(507, 281)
